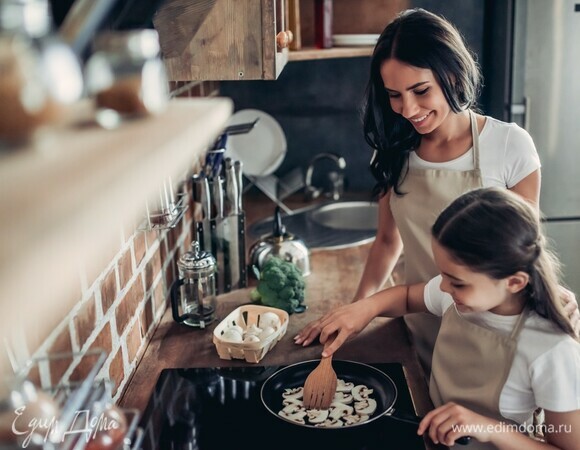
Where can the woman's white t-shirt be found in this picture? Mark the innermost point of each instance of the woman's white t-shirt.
(507, 155)
(546, 369)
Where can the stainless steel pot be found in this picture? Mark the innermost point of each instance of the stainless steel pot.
(282, 244)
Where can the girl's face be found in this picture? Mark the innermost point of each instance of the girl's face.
(415, 94)
(474, 291)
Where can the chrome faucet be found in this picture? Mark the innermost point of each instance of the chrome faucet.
(335, 178)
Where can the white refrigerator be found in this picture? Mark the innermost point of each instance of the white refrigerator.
(545, 100)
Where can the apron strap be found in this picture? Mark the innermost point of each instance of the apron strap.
(475, 138)
(520, 323)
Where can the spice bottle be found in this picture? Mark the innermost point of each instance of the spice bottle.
(125, 74)
(323, 23)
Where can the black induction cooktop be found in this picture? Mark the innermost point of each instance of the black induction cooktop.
(221, 409)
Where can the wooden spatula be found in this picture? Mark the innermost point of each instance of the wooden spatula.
(320, 386)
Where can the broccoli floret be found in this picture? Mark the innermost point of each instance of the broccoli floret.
(281, 285)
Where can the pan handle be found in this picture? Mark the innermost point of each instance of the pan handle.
(402, 416)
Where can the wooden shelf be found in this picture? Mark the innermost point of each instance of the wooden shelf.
(307, 54)
(68, 196)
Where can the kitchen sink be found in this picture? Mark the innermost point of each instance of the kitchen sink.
(328, 226)
(347, 216)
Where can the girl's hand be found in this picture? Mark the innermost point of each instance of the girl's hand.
(346, 322)
(451, 421)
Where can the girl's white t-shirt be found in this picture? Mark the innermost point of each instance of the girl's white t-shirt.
(507, 155)
(546, 369)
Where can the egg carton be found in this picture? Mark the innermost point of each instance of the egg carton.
(248, 317)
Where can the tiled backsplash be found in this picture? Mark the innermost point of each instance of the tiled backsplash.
(120, 300)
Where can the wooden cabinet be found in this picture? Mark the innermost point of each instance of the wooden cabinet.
(222, 39)
(236, 39)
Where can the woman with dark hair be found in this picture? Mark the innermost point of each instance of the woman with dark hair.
(430, 146)
(506, 344)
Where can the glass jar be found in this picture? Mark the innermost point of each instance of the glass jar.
(125, 73)
(39, 74)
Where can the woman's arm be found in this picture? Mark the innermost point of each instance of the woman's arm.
(529, 188)
(383, 256)
(349, 320)
(384, 252)
(452, 421)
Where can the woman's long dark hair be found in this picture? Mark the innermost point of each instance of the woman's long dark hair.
(495, 232)
(421, 39)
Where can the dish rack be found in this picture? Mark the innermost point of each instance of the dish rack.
(245, 317)
(77, 404)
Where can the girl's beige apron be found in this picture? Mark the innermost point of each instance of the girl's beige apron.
(427, 193)
(472, 371)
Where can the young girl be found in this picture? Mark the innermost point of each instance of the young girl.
(506, 345)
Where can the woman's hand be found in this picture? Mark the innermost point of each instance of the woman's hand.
(571, 308)
(451, 421)
(346, 322)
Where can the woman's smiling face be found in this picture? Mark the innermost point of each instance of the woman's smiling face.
(415, 94)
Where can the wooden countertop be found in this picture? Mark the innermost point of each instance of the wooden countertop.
(333, 281)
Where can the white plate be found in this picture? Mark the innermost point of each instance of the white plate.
(263, 149)
(354, 39)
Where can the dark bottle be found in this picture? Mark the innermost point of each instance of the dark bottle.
(323, 23)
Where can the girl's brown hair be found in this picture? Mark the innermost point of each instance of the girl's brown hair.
(495, 232)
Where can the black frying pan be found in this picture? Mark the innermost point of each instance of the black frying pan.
(384, 390)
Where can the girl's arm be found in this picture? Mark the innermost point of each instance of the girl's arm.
(383, 254)
(452, 421)
(349, 320)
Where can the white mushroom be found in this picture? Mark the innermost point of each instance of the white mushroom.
(361, 392)
(293, 401)
(231, 335)
(339, 410)
(297, 417)
(253, 329)
(266, 333)
(293, 393)
(343, 397)
(330, 424)
(344, 386)
(251, 338)
(237, 328)
(340, 413)
(364, 417)
(367, 406)
(293, 408)
(269, 319)
(355, 418)
(317, 415)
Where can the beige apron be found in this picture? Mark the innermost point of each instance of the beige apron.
(472, 370)
(427, 192)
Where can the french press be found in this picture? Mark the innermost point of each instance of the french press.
(195, 289)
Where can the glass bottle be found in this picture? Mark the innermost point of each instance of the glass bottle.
(126, 75)
(323, 23)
